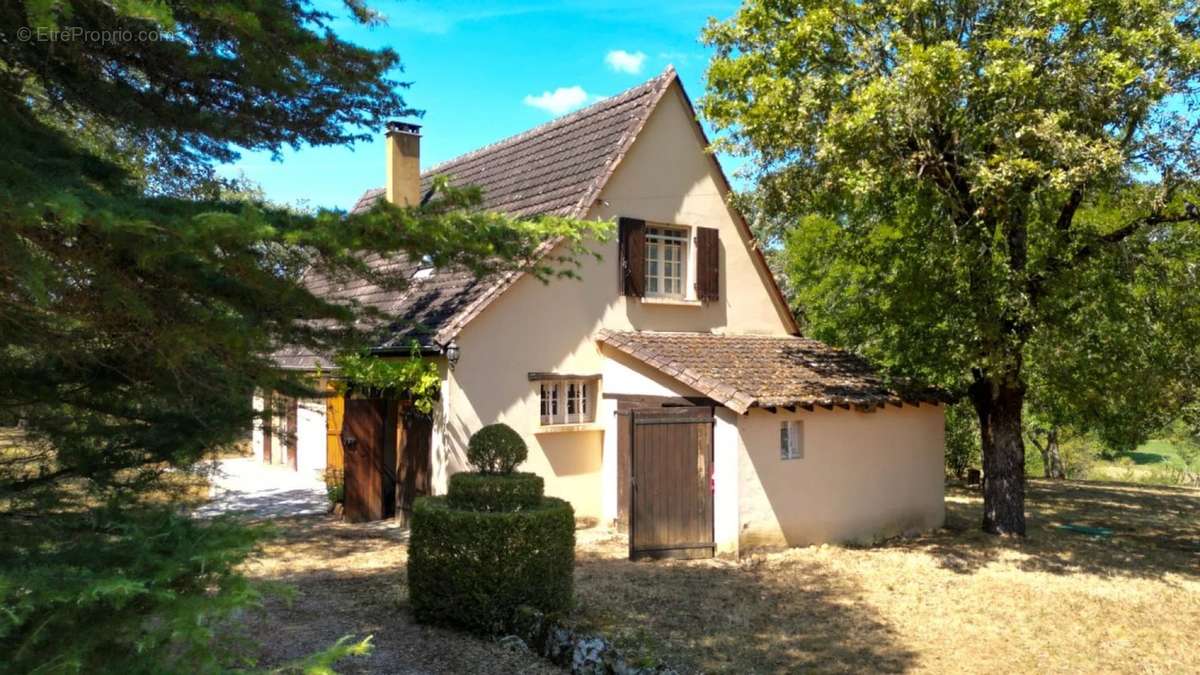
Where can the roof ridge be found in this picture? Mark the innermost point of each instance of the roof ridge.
(764, 336)
(667, 75)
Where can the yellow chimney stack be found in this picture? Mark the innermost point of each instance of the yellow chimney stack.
(403, 164)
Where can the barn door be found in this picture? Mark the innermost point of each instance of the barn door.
(362, 443)
(414, 469)
(671, 513)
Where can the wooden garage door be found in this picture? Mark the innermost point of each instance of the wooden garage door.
(671, 513)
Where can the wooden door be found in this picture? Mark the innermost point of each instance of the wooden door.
(335, 409)
(624, 472)
(414, 468)
(671, 509)
(362, 441)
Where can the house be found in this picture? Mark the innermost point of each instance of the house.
(667, 391)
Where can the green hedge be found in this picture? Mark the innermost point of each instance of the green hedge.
(473, 569)
(488, 492)
(496, 448)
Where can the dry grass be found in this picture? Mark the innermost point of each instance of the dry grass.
(349, 580)
(952, 601)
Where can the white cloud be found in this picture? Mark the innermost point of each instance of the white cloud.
(560, 100)
(625, 62)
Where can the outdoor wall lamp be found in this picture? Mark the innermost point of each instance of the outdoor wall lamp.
(452, 354)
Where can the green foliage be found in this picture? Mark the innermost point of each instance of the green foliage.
(494, 492)
(136, 323)
(187, 97)
(496, 449)
(971, 191)
(141, 297)
(335, 485)
(1184, 435)
(416, 377)
(473, 569)
(119, 592)
(962, 439)
(322, 662)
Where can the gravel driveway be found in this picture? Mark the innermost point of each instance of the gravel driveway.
(246, 485)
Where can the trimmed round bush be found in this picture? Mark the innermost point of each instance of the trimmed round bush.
(473, 569)
(495, 492)
(496, 448)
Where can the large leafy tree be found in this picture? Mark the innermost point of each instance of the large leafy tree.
(141, 299)
(960, 153)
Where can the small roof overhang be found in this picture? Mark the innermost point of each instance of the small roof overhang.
(764, 371)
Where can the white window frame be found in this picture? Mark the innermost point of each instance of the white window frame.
(791, 439)
(567, 401)
(660, 239)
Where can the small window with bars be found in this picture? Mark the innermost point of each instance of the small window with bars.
(567, 401)
(791, 439)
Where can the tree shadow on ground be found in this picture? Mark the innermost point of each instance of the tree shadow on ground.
(277, 503)
(1142, 457)
(349, 579)
(1155, 531)
(734, 616)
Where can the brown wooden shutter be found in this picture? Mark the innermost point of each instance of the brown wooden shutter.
(631, 245)
(708, 264)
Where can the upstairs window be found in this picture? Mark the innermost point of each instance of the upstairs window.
(791, 439)
(567, 401)
(666, 261)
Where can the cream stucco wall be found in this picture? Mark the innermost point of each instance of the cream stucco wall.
(863, 476)
(256, 433)
(534, 327)
(310, 435)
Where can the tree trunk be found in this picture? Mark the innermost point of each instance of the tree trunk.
(999, 406)
(1044, 450)
(1054, 465)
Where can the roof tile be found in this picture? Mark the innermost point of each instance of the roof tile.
(743, 371)
(552, 169)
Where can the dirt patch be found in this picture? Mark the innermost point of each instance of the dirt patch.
(349, 580)
(952, 601)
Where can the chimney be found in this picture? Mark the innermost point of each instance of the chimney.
(403, 163)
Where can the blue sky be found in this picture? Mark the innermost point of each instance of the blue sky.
(485, 70)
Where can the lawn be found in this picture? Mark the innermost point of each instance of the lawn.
(951, 601)
(1156, 461)
(1158, 451)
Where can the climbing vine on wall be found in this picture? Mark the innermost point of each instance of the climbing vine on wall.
(415, 376)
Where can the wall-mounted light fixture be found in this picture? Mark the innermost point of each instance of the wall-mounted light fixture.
(452, 354)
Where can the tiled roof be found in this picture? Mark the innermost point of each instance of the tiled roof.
(430, 300)
(745, 371)
(557, 168)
